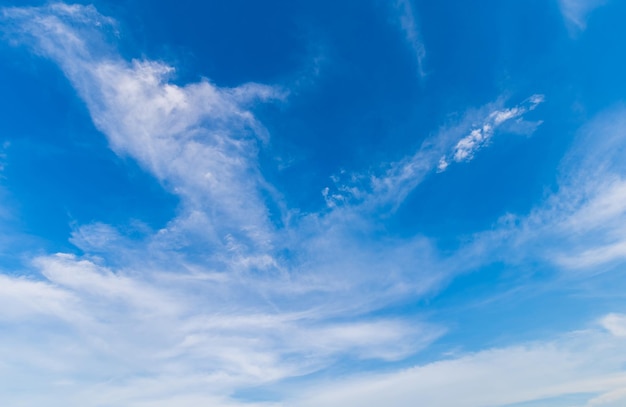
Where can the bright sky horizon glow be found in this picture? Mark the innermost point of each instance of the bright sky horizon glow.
(297, 203)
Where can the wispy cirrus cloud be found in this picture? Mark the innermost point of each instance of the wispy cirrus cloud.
(125, 336)
(576, 11)
(410, 27)
(480, 136)
(579, 225)
(456, 142)
(199, 140)
(578, 229)
(210, 300)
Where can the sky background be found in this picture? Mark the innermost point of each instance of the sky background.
(313, 203)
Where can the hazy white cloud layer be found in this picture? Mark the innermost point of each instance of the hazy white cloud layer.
(210, 305)
(154, 336)
(587, 364)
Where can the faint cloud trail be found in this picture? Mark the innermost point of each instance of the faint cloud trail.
(410, 27)
(576, 12)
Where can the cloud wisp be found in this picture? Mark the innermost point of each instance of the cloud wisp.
(579, 226)
(576, 12)
(585, 364)
(410, 27)
(480, 136)
(454, 143)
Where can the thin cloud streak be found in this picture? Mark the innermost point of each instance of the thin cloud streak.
(481, 135)
(409, 25)
(452, 143)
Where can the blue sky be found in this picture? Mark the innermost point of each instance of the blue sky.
(297, 203)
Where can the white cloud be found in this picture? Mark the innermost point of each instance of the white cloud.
(615, 324)
(577, 230)
(581, 225)
(207, 305)
(409, 25)
(199, 140)
(3, 156)
(580, 363)
(589, 258)
(24, 298)
(481, 135)
(452, 143)
(576, 11)
(88, 335)
(615, 398)
(123, 338)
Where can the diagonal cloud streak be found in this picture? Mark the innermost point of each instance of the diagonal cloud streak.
(452, 143)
